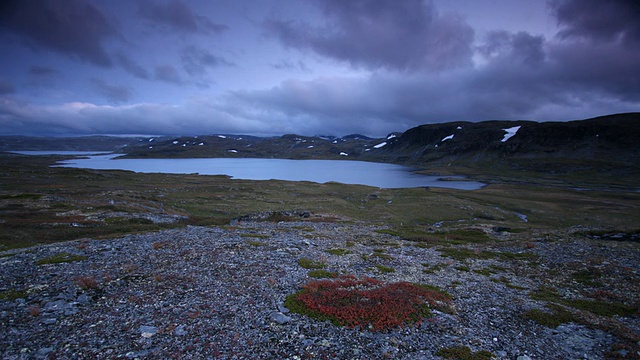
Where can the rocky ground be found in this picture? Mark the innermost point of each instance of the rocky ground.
(218, 292)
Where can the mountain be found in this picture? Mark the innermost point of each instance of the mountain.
(605, 148)
(77, 143)
(607, 138)
(288, 146)
(602, 152)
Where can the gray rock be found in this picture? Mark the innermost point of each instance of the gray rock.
(49, 321)
(523, 357)
(148, 331)
(83, 299)
(137, 354)
(279, 317)
(282, 308)
(60, 306)
(43, 352)
(180, 331)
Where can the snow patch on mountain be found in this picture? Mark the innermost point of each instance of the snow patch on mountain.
(510, 133)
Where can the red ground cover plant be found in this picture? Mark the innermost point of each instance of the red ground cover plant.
(86, 282)
(367, 303)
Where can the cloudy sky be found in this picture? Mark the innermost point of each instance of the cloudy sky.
(310, 67)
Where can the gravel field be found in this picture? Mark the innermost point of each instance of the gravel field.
(218, 293)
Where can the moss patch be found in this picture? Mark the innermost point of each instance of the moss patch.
(553, 318)
(257, 236)
(385, 269)
(464, 353)
(310, 264)
(338, 251)
(63, 257)
(9, 295)
(588, 277)
(598, 307)
(431, 269)
(321, 274)
(462, 254)
(427, 238)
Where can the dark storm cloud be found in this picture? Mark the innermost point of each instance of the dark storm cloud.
(414, 66)
(328, 105)
(521, 47)
(168, 73)
(131, 66)
(178, 16)
(597, 47)
(113, 93)
(197, 61)
(72, 27)
(599, 20)
(399, 35)
(609, 69)
(586, 70)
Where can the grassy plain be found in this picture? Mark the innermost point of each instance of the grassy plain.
(41, 204)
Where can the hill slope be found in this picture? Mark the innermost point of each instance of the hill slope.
(602, 150)
(607, 138)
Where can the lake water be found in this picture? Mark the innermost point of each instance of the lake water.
(320, 171)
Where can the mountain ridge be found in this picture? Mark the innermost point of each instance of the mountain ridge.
(600, 143)
(612, 137)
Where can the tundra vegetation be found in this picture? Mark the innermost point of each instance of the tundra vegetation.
(476, 233)
(366, 303)
(41, 204)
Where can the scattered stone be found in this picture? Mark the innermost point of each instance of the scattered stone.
(148, 331)
(83, 299)
(282, 308)
(60, 306)
(180, 331)
(137, 354)
(226, 297)
(49, 321)
(43, 352)
(279, 317)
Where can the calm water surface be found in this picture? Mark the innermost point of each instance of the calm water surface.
(320, 171)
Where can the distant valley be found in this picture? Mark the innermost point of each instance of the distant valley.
(600, 150)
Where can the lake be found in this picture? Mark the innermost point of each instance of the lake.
(380, 175)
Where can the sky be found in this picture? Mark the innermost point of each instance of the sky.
(310, 67)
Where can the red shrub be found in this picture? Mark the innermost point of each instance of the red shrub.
(86, 282)
(34, 310)
(366, 302)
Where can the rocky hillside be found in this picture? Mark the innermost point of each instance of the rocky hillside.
(221, 292)
(604, 144)
(288, 146)
(613, 139)
(607, 138)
